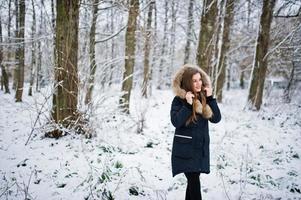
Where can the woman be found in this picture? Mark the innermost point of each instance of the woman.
(191, 109)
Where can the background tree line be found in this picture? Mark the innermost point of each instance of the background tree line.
(81, 48)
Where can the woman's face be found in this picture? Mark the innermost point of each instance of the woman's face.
(197, 82)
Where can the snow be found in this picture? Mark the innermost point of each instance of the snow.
(254, 155)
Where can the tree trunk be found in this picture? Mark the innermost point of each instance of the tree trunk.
(53, 23)
(93, 64)
(38, 72)
(105, 72)
(130, 45)
(112, 48)
(1, 80)
(172, 42)
(155, 51)
(147, 48)
(242, 80)
(21, 52)
(55, 64)
(64, 109)
(189, 31)
(1, 57)
(228, 77)
(163, 49)
(9, 55)
(9, 20)
(4, 77)
(39, 61)
(248, 13)
(33, 49)
(17, 63)
(260, 61)
(9, 28)
(287, 91)
(208, 24)
(217, 41)
(222, 62)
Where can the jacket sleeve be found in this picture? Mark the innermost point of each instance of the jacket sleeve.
(180, 112)
(215, 109)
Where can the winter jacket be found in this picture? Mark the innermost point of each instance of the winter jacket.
(190, 150)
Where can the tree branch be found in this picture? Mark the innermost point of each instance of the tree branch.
(111, 36)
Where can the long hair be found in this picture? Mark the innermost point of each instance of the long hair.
(187, 85)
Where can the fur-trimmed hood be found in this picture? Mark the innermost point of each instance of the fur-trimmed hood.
(180, 92)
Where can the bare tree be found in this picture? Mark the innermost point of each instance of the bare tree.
(217, 45)
(4, 77)
(155, 48)
(163, 48)
(64, 108)
(225, 45)
(20, 52)
(9, 55)
(208, 25)
(33, 49)
(130, 46)
(172, 43)
(248, 13)
(39, 60)
(93, 64)
(189, 31)
(113, 46)
(15, 76)
(147, 48)
(260, 62)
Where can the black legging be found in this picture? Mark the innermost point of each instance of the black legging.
(193, 190)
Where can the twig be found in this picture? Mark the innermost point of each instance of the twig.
(7, 189)
(113, 35)
(224, 186)
(37, 118)
(281, 42)
(26, 188)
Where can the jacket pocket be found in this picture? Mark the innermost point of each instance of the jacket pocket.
(183, 147)
(183, 136)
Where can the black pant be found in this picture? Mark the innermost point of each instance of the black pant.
(193, 190)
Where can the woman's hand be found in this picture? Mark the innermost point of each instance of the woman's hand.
(189, 97)
(208, 90)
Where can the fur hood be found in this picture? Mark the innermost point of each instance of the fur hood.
(180, 92)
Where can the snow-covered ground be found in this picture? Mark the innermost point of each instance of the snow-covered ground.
(254, 155)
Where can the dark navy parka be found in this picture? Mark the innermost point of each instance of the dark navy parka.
(190, 150)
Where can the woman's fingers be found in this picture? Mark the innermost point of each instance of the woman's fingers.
(208, 91)
(189, 97)
(190, 94)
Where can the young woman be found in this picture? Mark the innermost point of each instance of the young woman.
(191, 109)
